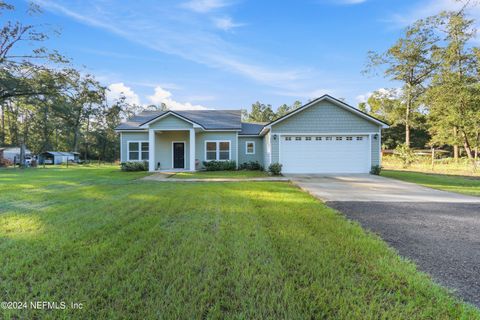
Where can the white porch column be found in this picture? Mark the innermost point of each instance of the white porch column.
(192, 149)
(151, 150)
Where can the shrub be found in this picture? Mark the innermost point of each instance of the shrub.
(405, 154)
(251, 165)
(134, 166)
(376, 170)
(275, 169)
(220, 165)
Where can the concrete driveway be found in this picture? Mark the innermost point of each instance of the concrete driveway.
(366, 187)
(439, 231)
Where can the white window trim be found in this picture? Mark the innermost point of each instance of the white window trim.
(139, 149)
(184, 154)
(217, 157)
(246, 147)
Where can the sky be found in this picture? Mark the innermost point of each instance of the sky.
(228, 54)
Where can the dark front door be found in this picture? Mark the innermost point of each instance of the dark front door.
(178, 155)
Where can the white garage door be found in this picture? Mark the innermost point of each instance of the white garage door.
(325, 154)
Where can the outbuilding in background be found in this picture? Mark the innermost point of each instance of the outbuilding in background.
(58, 157)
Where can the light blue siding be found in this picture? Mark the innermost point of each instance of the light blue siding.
(267, 150)
(376, 150)
(323, 118)
(170, 122)
(130, 136)
(243, 156)
(164, 148)
(201, 137)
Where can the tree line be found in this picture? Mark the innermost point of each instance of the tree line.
(438, 69)
(47, 104)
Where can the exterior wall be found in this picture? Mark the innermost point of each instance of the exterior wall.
(170, 122)
(201, 137)
(242, 152)
(325, 117)
(164, 148)
(267, 150)
(376, 150)
(130, 136)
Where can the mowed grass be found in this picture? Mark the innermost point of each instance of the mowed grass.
(461, 167)
(460, 184)
(134, 249)
(241, 174)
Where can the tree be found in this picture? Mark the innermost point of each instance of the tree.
(22, 57)
(260, 113)
(264, 113)
(386, 105)
(410, 62)
(284, 109)
(454, 95)
(81, 96)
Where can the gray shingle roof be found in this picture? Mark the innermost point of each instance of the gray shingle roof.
(135, 121)
(208, 119)
(251, 128)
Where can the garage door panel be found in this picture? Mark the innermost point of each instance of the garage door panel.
(325, 156)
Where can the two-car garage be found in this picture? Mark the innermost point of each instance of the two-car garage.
(324, 136)
(325, 153)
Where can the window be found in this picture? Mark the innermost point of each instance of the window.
(224, 153)
(318, 138)
(338, 138)
(137, 150)
(308, 138)
(298, 138)
(217, 150)
(359, 138)
(328, 138)
(349, 138)
(250, 147)
(211, 152)
(288, 138)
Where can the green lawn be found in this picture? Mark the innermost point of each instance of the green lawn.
(241, 174)
(127, 248)
(460, 184)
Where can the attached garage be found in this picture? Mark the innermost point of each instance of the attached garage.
(325, 153)
(324, 136)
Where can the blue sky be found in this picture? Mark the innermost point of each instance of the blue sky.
(227, 54)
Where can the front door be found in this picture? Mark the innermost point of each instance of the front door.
(179, 155)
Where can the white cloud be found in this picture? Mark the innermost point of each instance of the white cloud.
(117, 89)
(428, 8)
(176, 34)
(203, 6)
(163, 96)
(364, 97)
(226, 23)
(160, 95)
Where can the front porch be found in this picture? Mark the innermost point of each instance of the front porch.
(172, 150)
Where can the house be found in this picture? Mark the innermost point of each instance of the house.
(57, 157)
(325, 135)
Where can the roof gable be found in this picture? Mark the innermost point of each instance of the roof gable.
(335, 102)
(171, 119)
